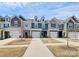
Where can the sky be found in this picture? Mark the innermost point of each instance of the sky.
(60, 10)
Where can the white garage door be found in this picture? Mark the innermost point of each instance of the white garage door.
(14, 34)
(35, 34)
(73, 34)
(77, 34)
(53, 34)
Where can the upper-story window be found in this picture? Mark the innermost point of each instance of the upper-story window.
(61, 26)
(15, 23)
(53, 25)
(70, 25)
(32, 25)
(39, 25)
(6, 18)
(6, 25)
(46, 25)
(77, 26)
(26, 25)
(36, 18)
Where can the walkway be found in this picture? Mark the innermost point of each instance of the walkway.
(37, 49)
(12, 46)
(70, 42)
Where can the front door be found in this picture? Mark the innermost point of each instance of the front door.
(60, 34)
(26, 34)
(7, 35)
(44, 34)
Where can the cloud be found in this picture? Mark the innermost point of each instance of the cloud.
(67, 11)
(48, 9)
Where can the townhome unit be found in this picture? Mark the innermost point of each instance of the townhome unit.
(18, 26)
(72, 30)
(2, 34)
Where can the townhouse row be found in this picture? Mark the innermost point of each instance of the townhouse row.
(18, 26)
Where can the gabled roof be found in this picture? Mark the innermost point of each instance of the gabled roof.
(73, 18)
(54, 19)
(19, 17)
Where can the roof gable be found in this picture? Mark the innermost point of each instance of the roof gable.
(54, 20)
(15, 18)
(75, 19)
(21, 17)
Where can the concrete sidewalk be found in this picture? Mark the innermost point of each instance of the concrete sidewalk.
(12, 46)
(37, 49)
(70, 42)
(61, 44)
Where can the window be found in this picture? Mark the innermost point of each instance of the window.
(70, 25)
(53, 25)
(46, 25)
(15, 23)
(61, 26)
(77, 26)
(7, 19)
(32, 25)
(39, 25)
(26, 25)
(6, 25)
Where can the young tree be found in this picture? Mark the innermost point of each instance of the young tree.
(67, 30)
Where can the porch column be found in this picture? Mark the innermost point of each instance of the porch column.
(30, 33)
(48, 33)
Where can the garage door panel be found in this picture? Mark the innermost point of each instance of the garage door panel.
(73, 34)
(36, 34)
(14, 34)
(53, 34)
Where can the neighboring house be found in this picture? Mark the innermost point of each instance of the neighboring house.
(14, 26)
(54, 28)
(72, 27)
(18, 26)
(1, 31)
(2, 35)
